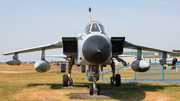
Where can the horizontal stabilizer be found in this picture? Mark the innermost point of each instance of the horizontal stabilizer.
(57, 56)
(125, 55)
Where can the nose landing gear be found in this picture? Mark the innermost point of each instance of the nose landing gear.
(96, 91)
(93, 89)
(93, 76)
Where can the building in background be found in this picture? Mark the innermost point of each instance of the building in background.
(152, 57)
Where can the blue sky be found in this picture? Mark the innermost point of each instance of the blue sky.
(24, 24)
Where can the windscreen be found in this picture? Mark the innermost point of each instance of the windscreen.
(102, 28)
(95, 28)
(88, 28)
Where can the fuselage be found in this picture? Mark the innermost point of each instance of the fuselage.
(94, 46)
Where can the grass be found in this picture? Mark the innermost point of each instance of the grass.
(68, 94)
(31, 85)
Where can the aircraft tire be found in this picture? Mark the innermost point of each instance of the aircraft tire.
(98, 90)
(65, 80)
(91, 89)
(118, 80)
(112, 83)
(71, 82)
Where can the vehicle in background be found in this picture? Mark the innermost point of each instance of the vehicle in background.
(169, 67)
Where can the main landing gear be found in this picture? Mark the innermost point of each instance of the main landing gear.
(68, 78)
(116, 79)
(93, 76)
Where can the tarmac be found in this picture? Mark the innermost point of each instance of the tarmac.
(88, 96)
(102, 96)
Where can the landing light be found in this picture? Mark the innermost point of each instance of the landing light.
(69, 59)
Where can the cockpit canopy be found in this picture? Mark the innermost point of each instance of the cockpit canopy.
(94, 27)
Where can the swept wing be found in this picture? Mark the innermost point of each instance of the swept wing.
(133, 46)
(38, 48)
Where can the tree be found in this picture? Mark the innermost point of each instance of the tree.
(178, 51)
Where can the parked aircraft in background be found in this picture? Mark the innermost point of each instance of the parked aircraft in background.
(93, 48)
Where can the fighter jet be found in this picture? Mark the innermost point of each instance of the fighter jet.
(95, 49)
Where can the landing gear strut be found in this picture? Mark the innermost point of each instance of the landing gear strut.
(113, 73)
(116, 79)
(68, 77)
(93, 75)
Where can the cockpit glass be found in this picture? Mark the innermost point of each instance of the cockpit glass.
(88, 28)
(95, 28)
(102, 28)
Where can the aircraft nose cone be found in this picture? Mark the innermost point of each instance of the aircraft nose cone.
(96, 49)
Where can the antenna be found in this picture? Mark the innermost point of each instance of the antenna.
(89, 14)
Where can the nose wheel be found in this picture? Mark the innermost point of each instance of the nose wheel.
(96, 91)
(93, 90)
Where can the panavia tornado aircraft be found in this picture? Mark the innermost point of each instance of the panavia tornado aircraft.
(96, 49)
